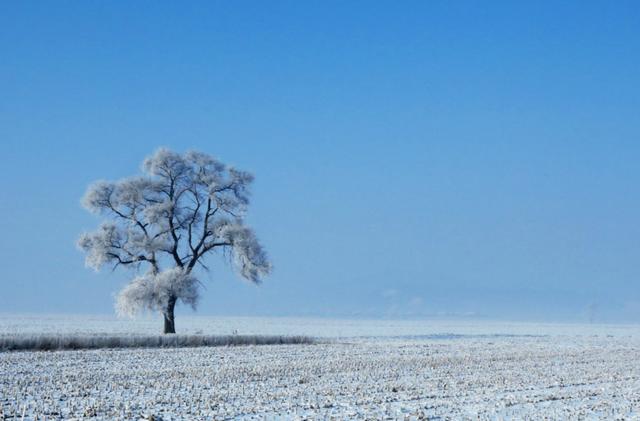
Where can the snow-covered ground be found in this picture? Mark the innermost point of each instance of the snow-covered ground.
(393, 369)
(318, 327)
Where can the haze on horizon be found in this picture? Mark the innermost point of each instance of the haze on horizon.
(411, 160)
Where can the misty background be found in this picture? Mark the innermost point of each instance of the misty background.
(414, 159)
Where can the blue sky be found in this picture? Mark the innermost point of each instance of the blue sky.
(411, 158)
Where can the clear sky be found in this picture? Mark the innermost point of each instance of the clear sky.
(411, 158)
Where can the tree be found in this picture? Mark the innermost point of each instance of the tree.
(165, 223)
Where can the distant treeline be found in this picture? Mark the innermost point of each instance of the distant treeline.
(69, 342)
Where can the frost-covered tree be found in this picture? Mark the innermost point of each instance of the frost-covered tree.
(165, 223)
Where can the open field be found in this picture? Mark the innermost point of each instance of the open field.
(11, 324)
(484, 375)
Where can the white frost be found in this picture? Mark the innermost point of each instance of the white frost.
(152, 291)
(167, 222)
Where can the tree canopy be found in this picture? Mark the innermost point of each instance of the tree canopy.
(166, 222)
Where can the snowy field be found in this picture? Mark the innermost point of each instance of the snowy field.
(318, 327)
(360, 370)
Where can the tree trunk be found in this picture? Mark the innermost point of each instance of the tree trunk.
(169, 320)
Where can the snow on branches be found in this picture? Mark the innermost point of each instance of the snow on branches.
(153, 291)
(181, 209)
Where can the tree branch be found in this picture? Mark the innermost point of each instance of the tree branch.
(193, 218)
(174, 235)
